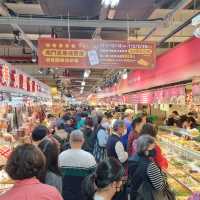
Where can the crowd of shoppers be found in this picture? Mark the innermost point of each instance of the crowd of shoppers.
(88, 155)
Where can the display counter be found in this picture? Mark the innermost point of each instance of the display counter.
(184, 160)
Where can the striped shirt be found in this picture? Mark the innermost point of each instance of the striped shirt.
(156, 177)
(76, 162)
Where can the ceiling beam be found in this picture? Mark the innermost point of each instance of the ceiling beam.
(176, 30)
(182, 4)
(28, 21)
(102, 16)
(4, 12)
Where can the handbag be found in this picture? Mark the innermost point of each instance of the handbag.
(169, 193)
(147, 192)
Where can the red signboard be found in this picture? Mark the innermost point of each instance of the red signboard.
(95, 53)
(172, 95)
(11, 78)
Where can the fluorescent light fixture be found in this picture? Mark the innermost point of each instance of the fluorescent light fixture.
(86, 73)
(125, 75)
(81, 92)
(82, 88)
(83, 83)
(111, 13)
(111, 3)
(196, 20)
(197, 32)
(34, 57)
(40, 71)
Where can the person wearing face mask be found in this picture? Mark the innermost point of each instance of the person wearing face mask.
(159, 159)
(147, 181)
(106, 182)
(81, 122)
(114, 146)
(101, 141)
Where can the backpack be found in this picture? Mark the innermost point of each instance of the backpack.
(100, 153)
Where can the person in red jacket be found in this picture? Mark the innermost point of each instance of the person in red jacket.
(160, 160)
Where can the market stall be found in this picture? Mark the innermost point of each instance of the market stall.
(183, 153)
(23, 101)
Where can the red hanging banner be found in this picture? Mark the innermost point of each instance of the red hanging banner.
(95, 53)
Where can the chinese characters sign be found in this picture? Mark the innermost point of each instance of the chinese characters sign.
(11, 78)
(95, 53)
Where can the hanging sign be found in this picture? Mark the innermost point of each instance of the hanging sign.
(11, 78)
(95, 53)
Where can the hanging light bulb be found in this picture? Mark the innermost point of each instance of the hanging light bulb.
(111, 3)
(83, 83)
(197, 32)
(125, 75)
(34, 56)
(86, 73)
(114, 3)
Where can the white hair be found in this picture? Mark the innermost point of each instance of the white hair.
(143, 143)
(76, 136)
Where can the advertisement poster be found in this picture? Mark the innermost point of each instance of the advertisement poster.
(103, 54)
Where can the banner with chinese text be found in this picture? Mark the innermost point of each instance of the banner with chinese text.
(12, 79)
(95, 53)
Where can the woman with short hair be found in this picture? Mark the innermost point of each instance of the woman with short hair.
(25, 166)
(145, 176)
(159, 159)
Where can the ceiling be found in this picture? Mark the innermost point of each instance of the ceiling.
(178, 12)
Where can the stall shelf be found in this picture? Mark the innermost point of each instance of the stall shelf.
(184, 160)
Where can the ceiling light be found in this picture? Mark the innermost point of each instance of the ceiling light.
(125, 75)
(34, 57)
(83, 83)
(196, 20)
(86, 73)
(99, 89)
(197, 32)
(82, 88)
(111, 13)
(40, 71)
(81, 92)
(111, 3)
